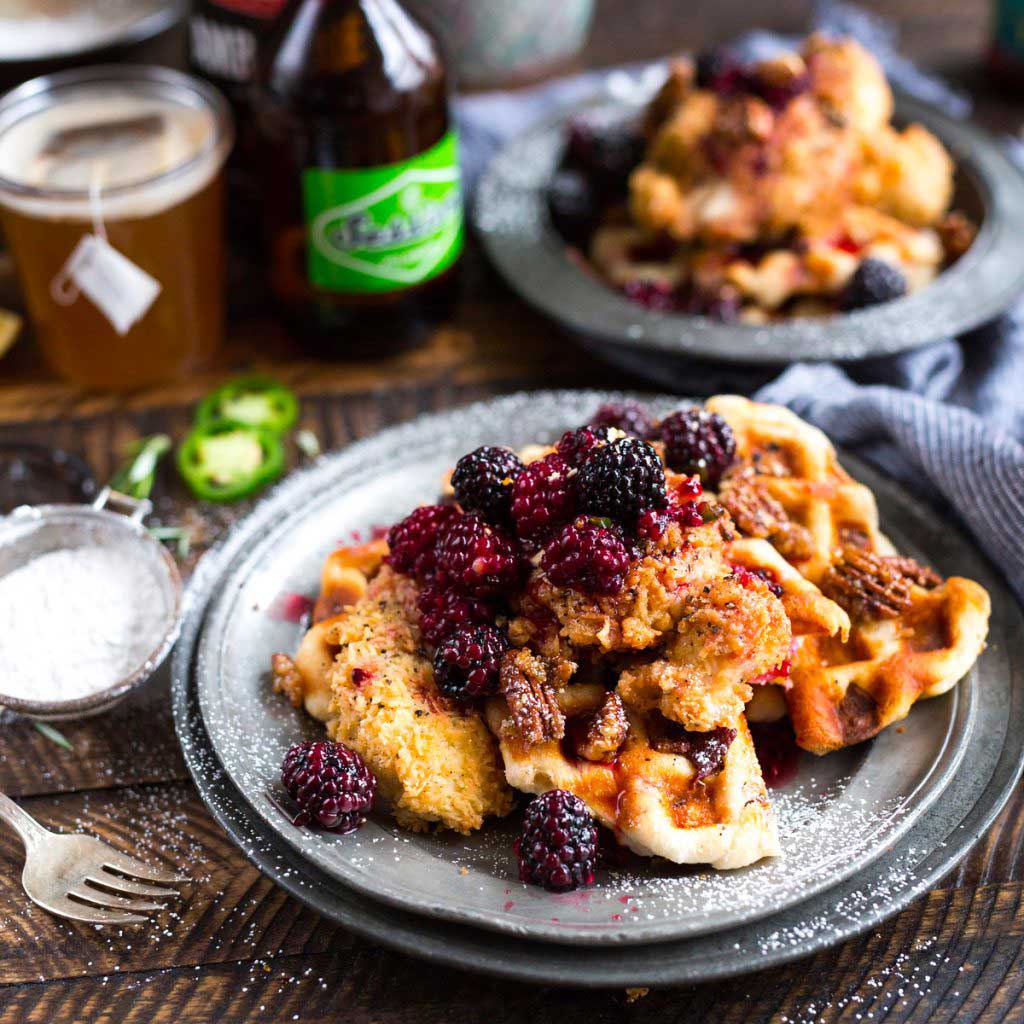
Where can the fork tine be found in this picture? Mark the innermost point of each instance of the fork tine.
(64, 907)
(130, 866)
(128, 886)
(112, 902)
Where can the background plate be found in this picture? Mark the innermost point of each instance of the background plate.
(937, 840)
(511, 217)
(839, 814)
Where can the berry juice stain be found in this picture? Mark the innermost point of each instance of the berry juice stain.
(291, 607)
(777, 752)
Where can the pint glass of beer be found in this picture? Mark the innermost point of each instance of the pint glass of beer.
(111, 202)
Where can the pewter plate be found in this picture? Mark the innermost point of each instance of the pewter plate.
(511, 218)
(838, 815)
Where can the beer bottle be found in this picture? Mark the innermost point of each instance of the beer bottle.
(225, 40)
(361, 193)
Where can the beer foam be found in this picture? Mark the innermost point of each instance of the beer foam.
(66, 26)
(117, 149)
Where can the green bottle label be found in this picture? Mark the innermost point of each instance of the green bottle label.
(384, 228)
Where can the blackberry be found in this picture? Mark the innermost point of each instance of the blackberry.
(779, 94)
(575, 445)
(873, 283)
(621, 479)
(478, 559)
(698, 442)
(468, 663)
(483, 482)
(573, 205)
(331, 784)
(653, 522)
(654, 295)
(587, 556)
(606, 149)
(558, 847)
(721, 72)
(629, 417)
(444, 611)
(544, 496)
(412, 541)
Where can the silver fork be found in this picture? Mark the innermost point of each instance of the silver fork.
(77, 876)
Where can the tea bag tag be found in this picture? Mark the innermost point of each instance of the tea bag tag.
(120, 290)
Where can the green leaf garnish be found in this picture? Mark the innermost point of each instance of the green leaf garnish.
(53, 735)
(176, 534)
(135, 478)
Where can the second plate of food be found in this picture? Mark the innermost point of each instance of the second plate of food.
(757, 214)
(835, 813)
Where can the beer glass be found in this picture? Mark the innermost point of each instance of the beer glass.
(111, 202)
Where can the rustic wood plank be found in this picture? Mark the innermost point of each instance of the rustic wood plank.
(131, 744)
(946, 958)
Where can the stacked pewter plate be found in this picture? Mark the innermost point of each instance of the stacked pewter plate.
(863, 831)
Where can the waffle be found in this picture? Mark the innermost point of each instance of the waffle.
(361, 671)
(911, 634)
(655, 800)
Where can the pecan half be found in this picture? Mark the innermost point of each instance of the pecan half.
(534, 714)
(707, 750)
(605, 732)
(757, 514)
(872, 586)
(287, 679)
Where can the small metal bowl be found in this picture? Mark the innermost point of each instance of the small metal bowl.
(511, 218)
(34, 530)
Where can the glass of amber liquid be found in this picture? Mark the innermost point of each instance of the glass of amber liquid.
(111, 202)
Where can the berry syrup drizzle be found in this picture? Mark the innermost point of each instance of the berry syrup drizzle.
(289, 606)
(777, 752)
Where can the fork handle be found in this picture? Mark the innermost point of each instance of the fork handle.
(21, 821)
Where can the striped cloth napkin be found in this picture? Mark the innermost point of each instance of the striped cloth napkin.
(947, 420)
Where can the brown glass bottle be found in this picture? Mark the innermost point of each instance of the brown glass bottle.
(361, 198)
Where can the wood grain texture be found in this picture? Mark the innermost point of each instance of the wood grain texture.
(239, 949)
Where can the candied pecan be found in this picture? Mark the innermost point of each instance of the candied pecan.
(287, 679)
(605, 732)
(957, 234)
(534, 712)
(874, 586)
(914, 571)
(757, 514)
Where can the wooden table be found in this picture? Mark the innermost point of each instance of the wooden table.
(239, 949)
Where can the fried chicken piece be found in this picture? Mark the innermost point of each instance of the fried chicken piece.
(638, 617)
(848, 80)
(436, 762)
(729, 635)
(534, 714)
(871, 586)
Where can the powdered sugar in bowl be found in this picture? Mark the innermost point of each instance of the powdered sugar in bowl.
(90, 605)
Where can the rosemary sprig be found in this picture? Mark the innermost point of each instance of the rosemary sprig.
(178, 534)
(135, 478)
(53, 735)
